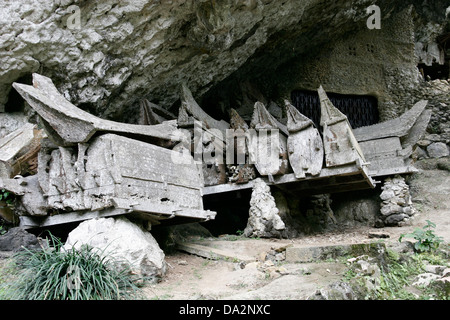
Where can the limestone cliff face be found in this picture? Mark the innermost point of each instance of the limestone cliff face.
(105, 55)
(120, 51)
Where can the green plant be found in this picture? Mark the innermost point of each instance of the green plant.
(427, 240)
(7, 197)
(55, 273)
(394, 280)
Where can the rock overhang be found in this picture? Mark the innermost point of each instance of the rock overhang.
(123, 52)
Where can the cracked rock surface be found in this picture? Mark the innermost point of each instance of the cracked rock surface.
(118, 52)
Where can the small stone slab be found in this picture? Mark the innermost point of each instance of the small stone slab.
(212, 253)
(379, 235)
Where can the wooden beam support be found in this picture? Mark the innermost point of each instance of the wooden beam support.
(29, 222)
(356, 173)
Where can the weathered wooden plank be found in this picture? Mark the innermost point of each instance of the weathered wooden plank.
(90, 176)
(209, 137)
(144, 170)
(305, 147)
(262, 119)
(417, 130)
(237, 158)
(169, 210)
(359, 172)
(388, 145)
(143, 161)
(146, 114)
(69, 125)
(27, 222)
(238, 141)
(392, 171)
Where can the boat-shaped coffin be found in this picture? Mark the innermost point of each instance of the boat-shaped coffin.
(340, 144)
(304, 144)
(268, 145)
(68, 125)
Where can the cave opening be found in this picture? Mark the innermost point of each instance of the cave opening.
(15, 101)
(361, 110)
(232, 212)
(435, 71)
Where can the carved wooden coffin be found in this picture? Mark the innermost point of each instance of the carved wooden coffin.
(268, 144)
(68, 125)
(240, 169)
(115, 171)
(190, 108)
(388, 145)
(383, 153)
(152, 114)
(305, 147)
(340, 145)
(208, 137)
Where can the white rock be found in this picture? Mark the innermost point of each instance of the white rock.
(435, 269)
(264, 219)
(123, 240)
(387, 194)
(424, 279)
(446, 272)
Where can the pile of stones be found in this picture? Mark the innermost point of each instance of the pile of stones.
(396, 206)
(264, 219)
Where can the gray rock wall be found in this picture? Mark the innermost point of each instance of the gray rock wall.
(382, 63)
(106, 55)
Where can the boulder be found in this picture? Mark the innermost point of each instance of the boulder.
(336, 291)
(16, 239)
(124, 241)
(443, 164)
(437, 150)
(394, 219)
(424, 279)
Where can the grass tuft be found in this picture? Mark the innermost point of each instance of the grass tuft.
(55, 273)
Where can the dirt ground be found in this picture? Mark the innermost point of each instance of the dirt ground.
(192, 277)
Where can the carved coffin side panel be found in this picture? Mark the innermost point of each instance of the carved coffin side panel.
(209, 137)
(89, 177)
(144, 171)
(383, 153)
